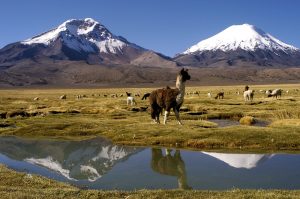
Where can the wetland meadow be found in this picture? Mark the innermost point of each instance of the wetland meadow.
(37, 128)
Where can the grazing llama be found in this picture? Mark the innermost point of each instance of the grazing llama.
(168, 98)
(276, 93)
(63, 97)
(128, 94)
(248, 94)
(145, 96)
(131, 101)
(209, 95)
(220, 95)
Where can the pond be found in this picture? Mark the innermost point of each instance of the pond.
(98, 164)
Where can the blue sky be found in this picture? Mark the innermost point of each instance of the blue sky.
(166, 26)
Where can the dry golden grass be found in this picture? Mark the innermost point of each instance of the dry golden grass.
(247, 120)
(97, 115)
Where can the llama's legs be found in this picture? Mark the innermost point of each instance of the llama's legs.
(168, 151)
(177, 116)
(155, 111)
(156, 120)
(158, 111)
(167, 113)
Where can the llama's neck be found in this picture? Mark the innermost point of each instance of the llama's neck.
(181, 86)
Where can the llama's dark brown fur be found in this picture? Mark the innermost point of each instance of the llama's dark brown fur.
(166, 98)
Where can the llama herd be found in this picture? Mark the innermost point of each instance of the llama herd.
(248, 94)
(131, 98)
(162, 100)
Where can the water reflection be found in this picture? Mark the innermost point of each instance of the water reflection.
(89, 159)
(247, 161)
(99, 164)
(169, 164)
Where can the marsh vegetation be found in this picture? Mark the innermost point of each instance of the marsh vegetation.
(208, 124)
(98, 112)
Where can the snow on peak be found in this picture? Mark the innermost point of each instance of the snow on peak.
(50, 163)
(91, 171)
(245, 36)
(82, 35)
(247, 161)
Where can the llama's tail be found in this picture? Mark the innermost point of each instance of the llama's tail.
(153, 110)
(154, 105)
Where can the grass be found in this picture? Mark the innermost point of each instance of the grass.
(96, 115)
(21, 185)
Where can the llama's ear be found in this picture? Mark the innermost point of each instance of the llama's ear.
(182, 70)
(186, 70)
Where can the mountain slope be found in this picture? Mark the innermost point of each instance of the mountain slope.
(83, 53)
(75, 39)
(79, 51)
(241, 45)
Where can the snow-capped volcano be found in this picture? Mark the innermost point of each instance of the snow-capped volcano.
(241, 43)
(83, 35)
(78, 51)
(74, 42)
(245, 36)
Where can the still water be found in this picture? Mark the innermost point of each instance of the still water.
(98, 164)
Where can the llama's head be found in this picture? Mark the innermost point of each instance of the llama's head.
(184, 75)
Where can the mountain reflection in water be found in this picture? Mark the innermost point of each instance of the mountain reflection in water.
(99, 164)
(247, 161)
(75, 160)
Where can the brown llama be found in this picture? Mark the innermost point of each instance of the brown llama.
(167, 98)
(220, 95)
